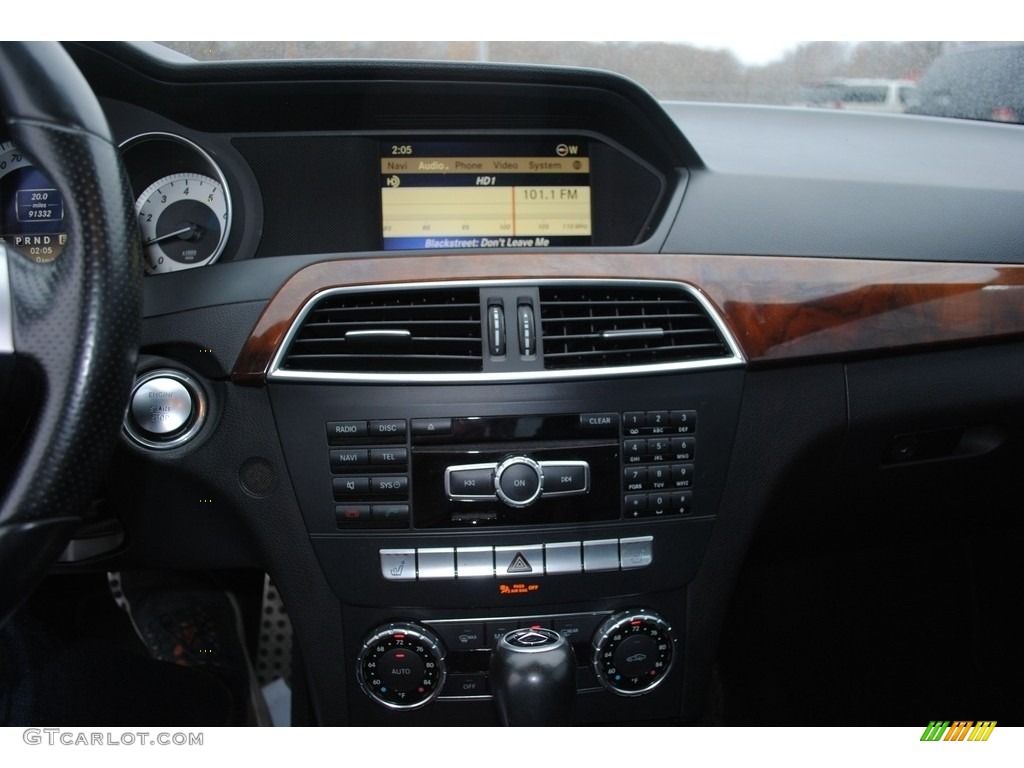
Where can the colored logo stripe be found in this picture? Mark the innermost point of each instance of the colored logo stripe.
(959, 730)
(935, 730)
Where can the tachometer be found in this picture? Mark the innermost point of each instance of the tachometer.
(184, 219)
(31, 208)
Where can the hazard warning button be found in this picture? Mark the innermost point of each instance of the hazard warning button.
(516, 562)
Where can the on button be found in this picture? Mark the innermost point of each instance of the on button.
(518, 481)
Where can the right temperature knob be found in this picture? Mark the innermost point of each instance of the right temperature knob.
(633, 652)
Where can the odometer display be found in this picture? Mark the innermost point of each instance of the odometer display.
(31, 208)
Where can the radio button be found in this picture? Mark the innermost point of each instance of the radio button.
(345, 430)
(470, 482)
(518, 481)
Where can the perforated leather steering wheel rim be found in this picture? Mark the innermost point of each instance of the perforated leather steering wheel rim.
(75, 320)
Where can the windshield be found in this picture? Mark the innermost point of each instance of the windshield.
(982, 81)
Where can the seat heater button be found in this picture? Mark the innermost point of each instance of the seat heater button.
(637, 552)
(398, 564)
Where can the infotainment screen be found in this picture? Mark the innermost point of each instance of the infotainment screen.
(485, 194)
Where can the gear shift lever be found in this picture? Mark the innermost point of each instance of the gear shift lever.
(533, 678)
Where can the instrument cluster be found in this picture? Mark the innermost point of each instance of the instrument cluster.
(182, 202)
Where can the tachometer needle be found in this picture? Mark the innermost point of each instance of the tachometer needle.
(190, 230)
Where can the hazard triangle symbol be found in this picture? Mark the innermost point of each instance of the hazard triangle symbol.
(520, 564)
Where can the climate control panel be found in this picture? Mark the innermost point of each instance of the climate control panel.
(406, 665)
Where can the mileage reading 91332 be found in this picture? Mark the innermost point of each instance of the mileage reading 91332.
(524, 194)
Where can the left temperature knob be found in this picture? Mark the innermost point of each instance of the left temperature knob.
(401, 666)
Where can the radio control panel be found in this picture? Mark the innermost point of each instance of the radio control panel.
(478, 471)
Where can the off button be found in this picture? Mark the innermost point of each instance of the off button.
(518, 481)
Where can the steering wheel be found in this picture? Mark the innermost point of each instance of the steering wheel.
(75, 320)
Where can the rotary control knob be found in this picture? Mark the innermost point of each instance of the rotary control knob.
(401, 666)
(518, 481)
(633, 652)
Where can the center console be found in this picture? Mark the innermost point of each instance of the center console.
(446, 515)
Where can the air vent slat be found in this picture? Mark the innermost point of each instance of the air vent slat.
(359, 333)
(588, 327)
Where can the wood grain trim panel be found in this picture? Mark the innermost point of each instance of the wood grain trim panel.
(779, 309)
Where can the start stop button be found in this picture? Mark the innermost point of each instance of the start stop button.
(166, 409)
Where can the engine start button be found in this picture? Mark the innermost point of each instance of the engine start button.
(167, 409)
(161, 406)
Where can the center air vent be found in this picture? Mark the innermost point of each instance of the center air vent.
(394, 331)
(600, 326)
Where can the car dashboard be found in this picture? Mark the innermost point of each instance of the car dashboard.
(465, 349)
